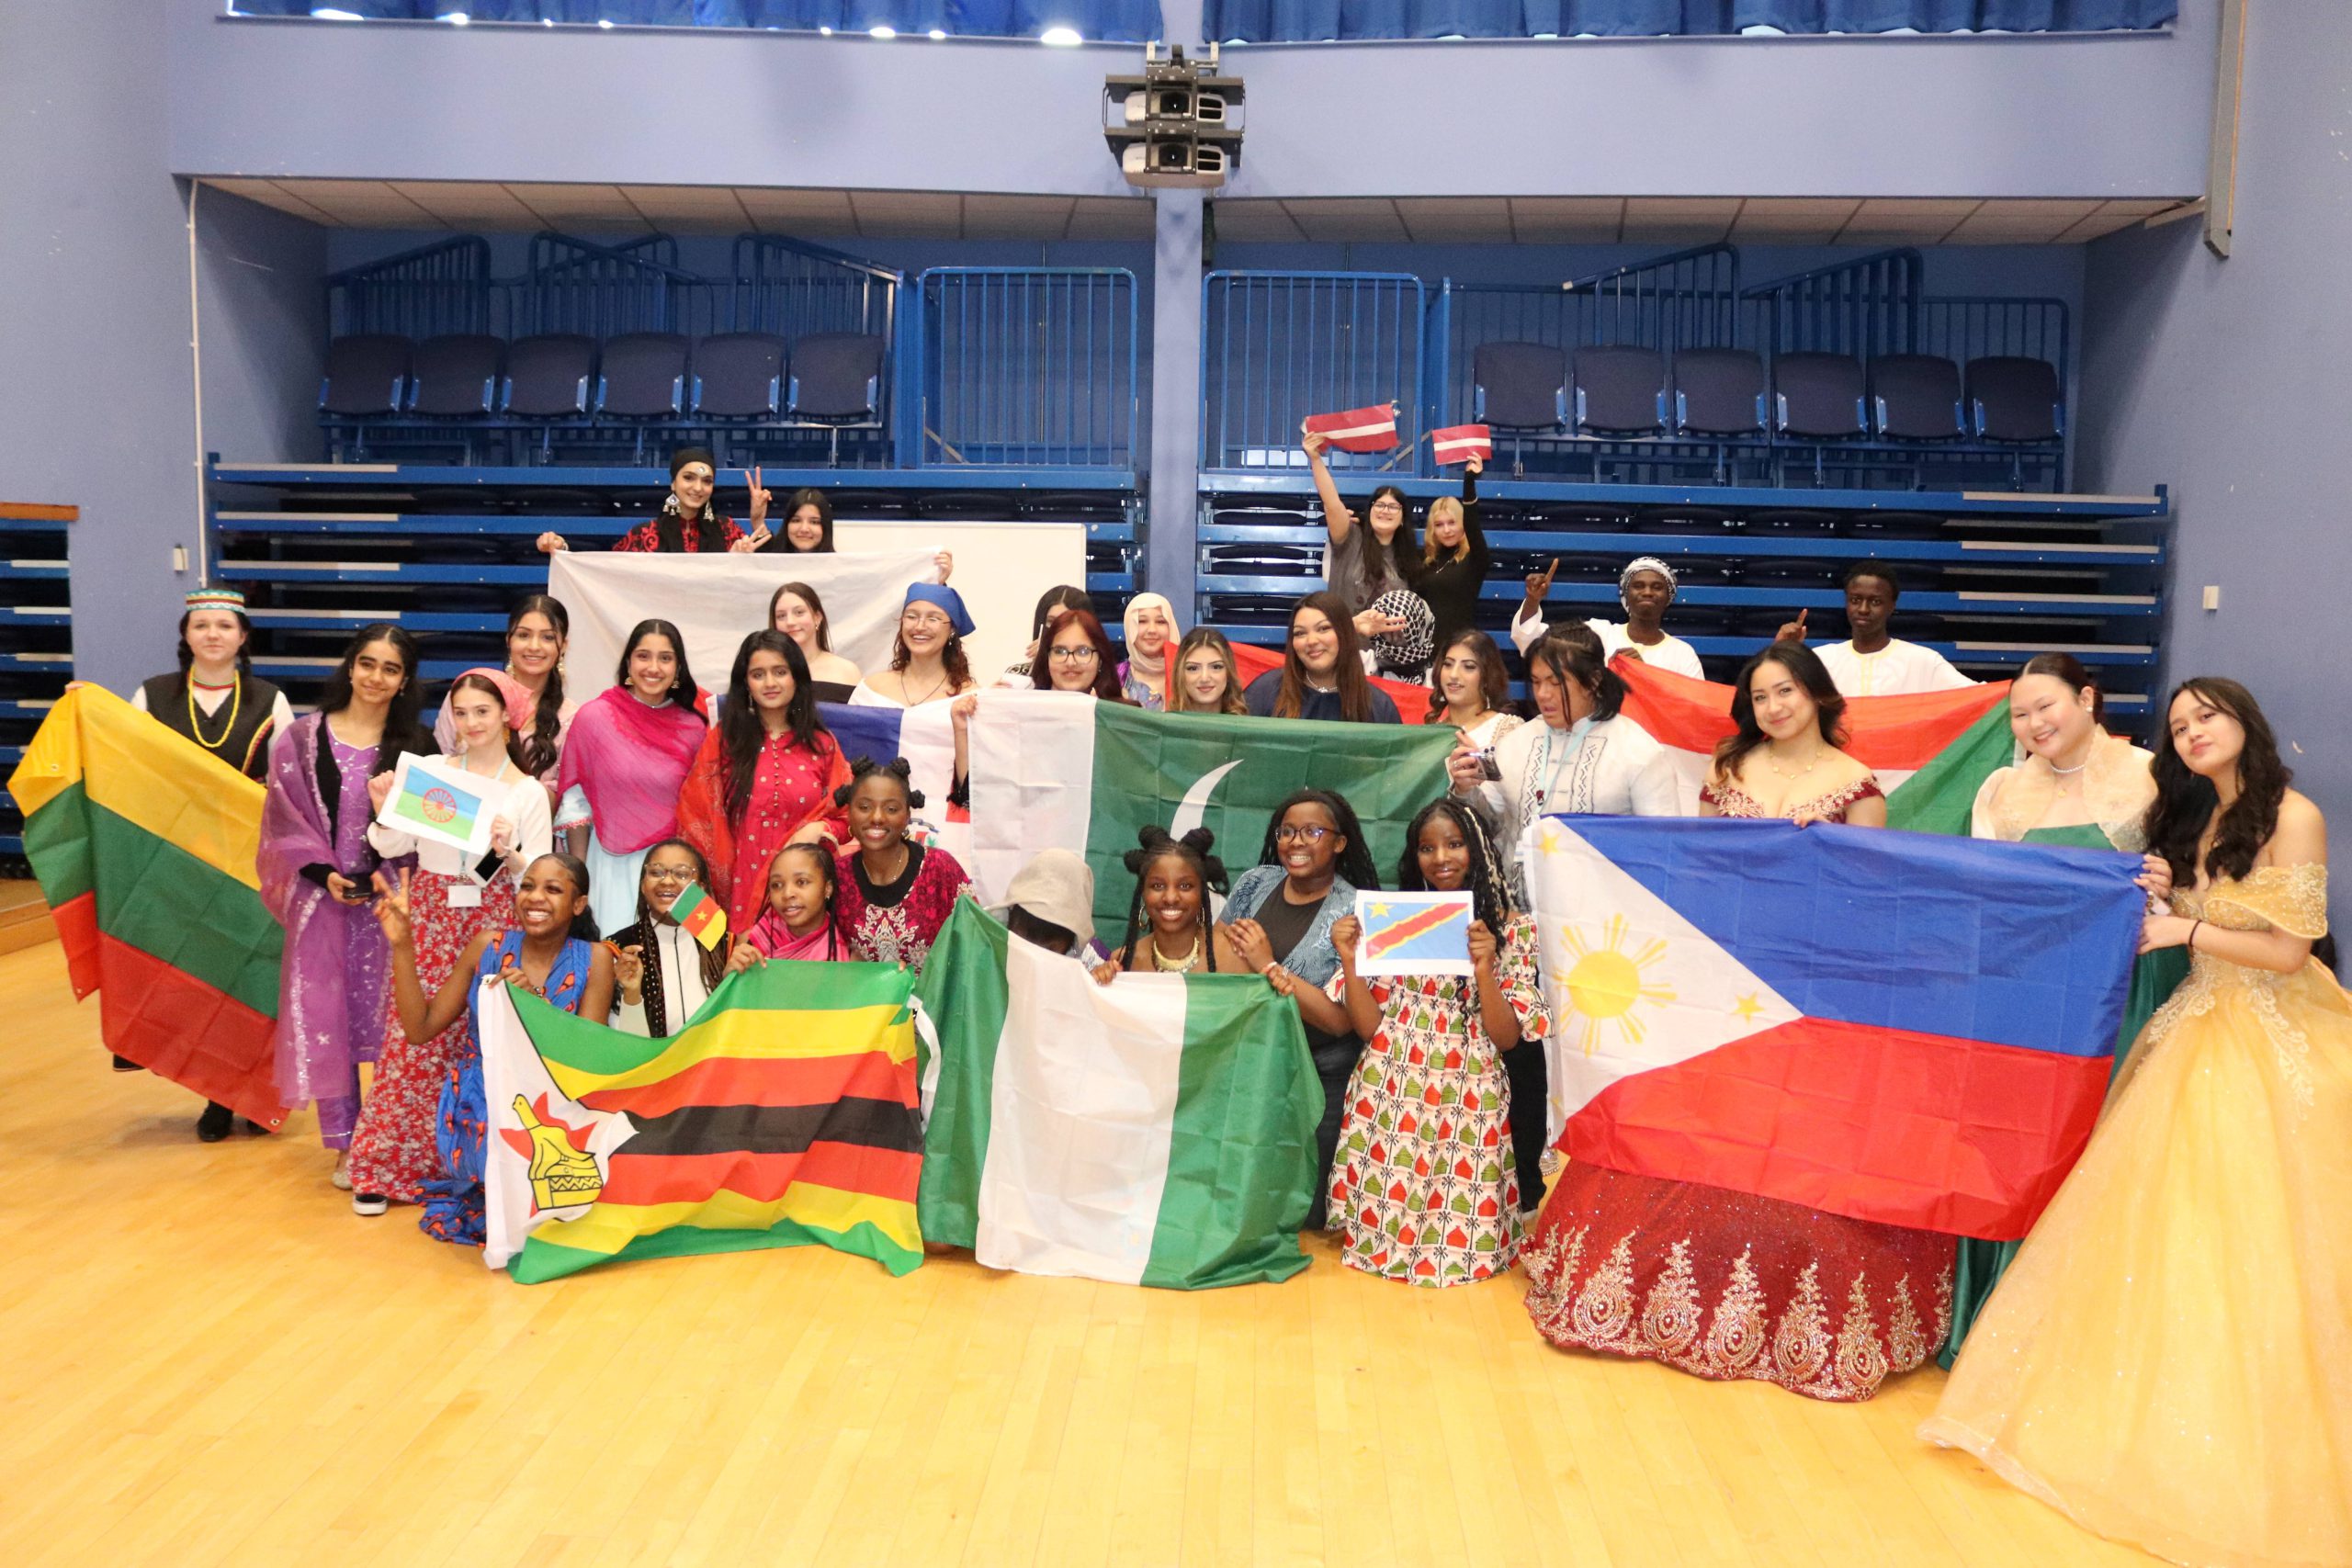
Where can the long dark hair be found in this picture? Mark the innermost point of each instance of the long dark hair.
(1376, 561)
(825, 859)
(742, 735)
(2065, 667)
(1106, 666)
(1355, 687)
(1197, 849)
(1053, 602)
(711, 961)
(1179, 700)
(782, 542)
(681, 687)
(2185, 801)
(479, 680)
(1494, 689)
(1580, 659)
(583, 924)
(1805, 665)
(401, 730)
(1354, 864)
(808, 596)
(1489, 892)
(244, 649)
(540, 747)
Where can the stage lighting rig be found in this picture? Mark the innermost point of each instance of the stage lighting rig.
(1176, 124)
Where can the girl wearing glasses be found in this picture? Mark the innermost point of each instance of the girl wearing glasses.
(661, 976)
(1280, 917)
(1078, 657)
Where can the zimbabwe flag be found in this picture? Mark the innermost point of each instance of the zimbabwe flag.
(783, 1115)
(143, 843)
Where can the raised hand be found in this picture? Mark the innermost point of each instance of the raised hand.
(1314, 441)
(944, 562)
(1793, 631)
(761, 498)
(1474, 467)
(391, 907)
(551, 542)
(1371, 623)
(1482, 948)
(1539, 583)
(628, 973)
(1346, 931)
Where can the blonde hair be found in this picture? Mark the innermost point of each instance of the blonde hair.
(1442, 507)
(1179, 699)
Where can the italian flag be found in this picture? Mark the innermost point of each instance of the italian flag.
(144, 844)
(1931, 750)
(1059, 770)
(1156, 1131)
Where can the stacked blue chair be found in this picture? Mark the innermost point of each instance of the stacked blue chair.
(1818, 399)
(836, 382)
(365, 385)
(1520, 387)
(643, 381)
(1719, 397)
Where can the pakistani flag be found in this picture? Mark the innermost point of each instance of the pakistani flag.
(1053, 769)
(1156, 1131)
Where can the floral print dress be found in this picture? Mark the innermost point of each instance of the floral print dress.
(1425, 1185)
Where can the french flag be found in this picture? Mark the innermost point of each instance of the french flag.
(925, 736)
(1899, 1027)
(1357, 430)
(1460, 443)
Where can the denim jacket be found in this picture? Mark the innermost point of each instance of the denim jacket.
(1314, 960)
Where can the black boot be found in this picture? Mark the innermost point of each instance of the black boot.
(215, 1123)
(125, 1064)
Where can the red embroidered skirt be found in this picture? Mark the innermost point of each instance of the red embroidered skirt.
(1727, 1284)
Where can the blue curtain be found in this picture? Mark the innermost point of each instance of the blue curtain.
(1279, 21)
(1117, 21)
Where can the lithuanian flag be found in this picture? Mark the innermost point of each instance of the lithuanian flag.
(785, 1114)
(144, 843)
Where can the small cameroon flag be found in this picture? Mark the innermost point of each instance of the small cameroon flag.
(703, 915)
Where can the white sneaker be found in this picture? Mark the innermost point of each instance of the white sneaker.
(369, 1204)
(342, 1177)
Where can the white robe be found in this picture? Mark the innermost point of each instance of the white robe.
(1897, 668)
(1613, 768)
(1671, 654)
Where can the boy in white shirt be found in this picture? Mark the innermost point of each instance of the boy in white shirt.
(1872, 664)
(1644, 588)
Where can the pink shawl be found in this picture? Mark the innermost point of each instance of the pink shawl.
(631, 760)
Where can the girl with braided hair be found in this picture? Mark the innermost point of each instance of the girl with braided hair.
(893, 893)
(1311, 864)
(1425, 1186)
(1169, 931)
(661, 976)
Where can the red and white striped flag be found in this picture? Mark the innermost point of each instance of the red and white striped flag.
(1357, 430)
(1460, 443)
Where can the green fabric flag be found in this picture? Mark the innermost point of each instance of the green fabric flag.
(1937, 798)
(1156, 1131)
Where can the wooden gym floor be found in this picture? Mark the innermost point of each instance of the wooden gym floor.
(209, 1358)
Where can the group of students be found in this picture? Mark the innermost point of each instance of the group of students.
(2194, 1265)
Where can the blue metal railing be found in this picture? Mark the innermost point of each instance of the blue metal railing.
(437, 288)
(1024, 366)
(1865, 306)
(1277, 346)
(1962, 328)
(572, 285)
(792, 289)
(1686, 300)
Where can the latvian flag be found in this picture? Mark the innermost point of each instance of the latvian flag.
(783, 1115)
(1929, 750)
(1898, 1027)
(1357, 430)
(1460, 443)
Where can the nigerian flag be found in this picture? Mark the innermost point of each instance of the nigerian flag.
(1052, 769)
(1156, 1131)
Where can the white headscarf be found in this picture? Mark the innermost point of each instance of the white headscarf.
(1646, 563)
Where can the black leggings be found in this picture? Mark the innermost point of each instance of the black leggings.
(1334, 1065)
(1531, 1086)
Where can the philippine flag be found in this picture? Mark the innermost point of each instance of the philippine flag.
(1891, 1026)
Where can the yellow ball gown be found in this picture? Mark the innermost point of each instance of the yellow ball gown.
(2169, 1360)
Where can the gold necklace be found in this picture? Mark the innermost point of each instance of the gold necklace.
(1183, 965)
(1783, 772)
(196, 725)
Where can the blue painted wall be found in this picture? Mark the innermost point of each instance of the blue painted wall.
(2225, 379)
(2097, 114)
(96, 387)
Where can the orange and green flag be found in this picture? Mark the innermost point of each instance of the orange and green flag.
(143, 843)
(785, 1115)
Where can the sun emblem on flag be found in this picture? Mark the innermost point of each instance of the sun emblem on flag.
(1605, 984)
